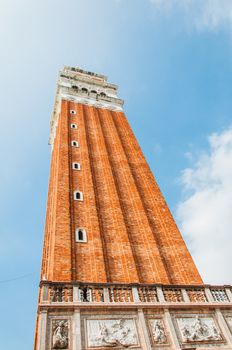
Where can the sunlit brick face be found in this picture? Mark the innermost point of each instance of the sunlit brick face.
(132, 236)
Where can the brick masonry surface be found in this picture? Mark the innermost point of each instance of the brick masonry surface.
(131, 234)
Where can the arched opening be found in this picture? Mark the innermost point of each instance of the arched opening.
(78, 196)
(102, 94)
(81, 235)
(84, 91)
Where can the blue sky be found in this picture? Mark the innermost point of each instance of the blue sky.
(172, 61)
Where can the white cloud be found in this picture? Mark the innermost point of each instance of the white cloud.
(205, 215)
(203, 14)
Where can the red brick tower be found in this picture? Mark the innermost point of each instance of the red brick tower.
(110, 239)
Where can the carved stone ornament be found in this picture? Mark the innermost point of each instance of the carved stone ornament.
(198, 329)
(158, 331)
(111, 333)
(60, 334)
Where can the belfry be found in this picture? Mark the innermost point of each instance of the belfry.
(115, 269)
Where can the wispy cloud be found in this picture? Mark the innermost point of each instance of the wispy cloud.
(203, 14)
(205, 215)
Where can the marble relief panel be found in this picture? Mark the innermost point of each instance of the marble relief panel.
(158, 332)
(198, 329)
(120, 332)
(60, 334)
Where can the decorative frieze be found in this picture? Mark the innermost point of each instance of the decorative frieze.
(111, 332)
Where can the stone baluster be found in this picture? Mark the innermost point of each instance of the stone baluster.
(63, 296)
(52, 294)
(89, 294)
(117, 294)
(112, 294)
(81, 294)
(122, 296)
(69, 294)
(57, 294)
(129, 295)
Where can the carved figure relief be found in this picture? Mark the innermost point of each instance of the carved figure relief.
(198, 329)
(111, 333)
(60, 334)
(158, 331)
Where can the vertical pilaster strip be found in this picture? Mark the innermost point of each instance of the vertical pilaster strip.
(171, 329)
(42, 330)
(146, 345)
(223, 326)
(76, 330)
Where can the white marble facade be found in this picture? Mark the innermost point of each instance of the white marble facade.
(137, 330)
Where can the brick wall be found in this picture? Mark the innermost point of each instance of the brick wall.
(132, 236)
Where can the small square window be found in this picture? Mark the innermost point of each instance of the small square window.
(76, 166)
(74, 143)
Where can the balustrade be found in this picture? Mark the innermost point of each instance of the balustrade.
(147, 294)
(67, 293)
(120, 294)
(196, 295)
(219, 295)
(60, 294)
(173, 295)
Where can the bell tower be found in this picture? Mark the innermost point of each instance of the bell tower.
(115, 269)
